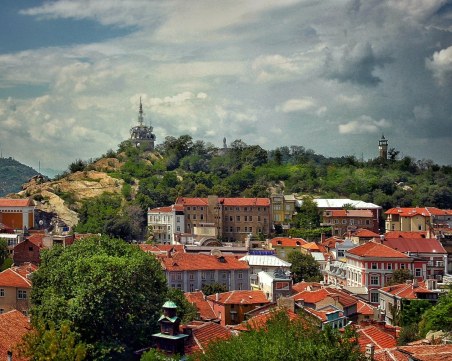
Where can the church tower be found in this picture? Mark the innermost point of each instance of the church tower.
(141, 135)
(383, 147)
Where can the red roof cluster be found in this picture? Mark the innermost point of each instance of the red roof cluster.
(331, 242)
(322, 314)
(364, 233)
(360, 213)
(169, 209)
(203, 334)
(242, 297)
(260, 320)
(13, 326)
(194, 262)
(263, 202)
(287, 242)
(8, 202)
(11, 278)
(320, 294)
(306, 286)
(416, 245)
(408, 290)
(200, 301)
(376, 249)
(405, 234)
(424, 211)
(375, 335)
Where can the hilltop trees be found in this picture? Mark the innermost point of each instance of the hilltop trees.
(109, 293)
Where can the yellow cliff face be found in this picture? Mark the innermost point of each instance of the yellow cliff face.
(64, 196)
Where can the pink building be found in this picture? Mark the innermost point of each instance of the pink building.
(371, 266)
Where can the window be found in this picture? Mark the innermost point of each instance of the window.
(246, 229)
(203, 275)
(246, 218)
(258, 218)
(418, 272)
(202, 208)
(192, 287)
(336, 221)
(30, 249)
(2, 292)
(2, 310)
(374, 297)
(344, 221)
(374, 280)
(367, 223)
(340, 253)
(22, 295)
(374, 265)
(191, 276)
(402, 266)
(251, 229)
(202, 216)
(188, 208)
(389, 266)
(240, 275)
(238, 218)
(419, 227)
(238, 229)
(194, 216)
(240, 286)
(250, 218)
(230, 218)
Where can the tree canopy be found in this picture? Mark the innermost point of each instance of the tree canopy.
(304, 267)
(109, 292)
(438, 317)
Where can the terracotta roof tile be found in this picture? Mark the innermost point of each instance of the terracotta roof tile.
(10, 278)
(403, 234)
(375, 249)
(260, 320)
(407, 291)
(306, 286)
(417, 211)
(416, 245)
(311, 296)
(377, 336)
(364, 308)
(311, 246)
(13, 326)
(332, 242)
(193, 262)
(7, 202)
(429, 352)
(363, 213)
(25, 269)
(287, 242)
(36, 239)
(204, 334)
(204, 308)
(238, 297)
(366, 233)
(168, 209)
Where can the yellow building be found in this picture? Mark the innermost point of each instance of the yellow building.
(414, 219)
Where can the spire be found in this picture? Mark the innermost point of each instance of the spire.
(140, 114)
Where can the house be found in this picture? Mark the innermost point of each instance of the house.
(199, 300)
(393, 298)
(274, 284)
(327, 316)
(283, 209)
(429, 249)
(261, 316)
(201, 334)
(362, 235)
(371, 266)
(13, 327)
(284, 245)
(232, 219)
(417, 219)
(166, 223)
(265, 263)
(15, 288)
(190, 271)
(17, 213)
(345, 221)
(11, 239)
(374, 337)
(231, 307)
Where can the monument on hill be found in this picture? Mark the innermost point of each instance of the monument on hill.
(141, 135)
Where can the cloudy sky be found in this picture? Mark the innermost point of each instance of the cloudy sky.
(328, 75)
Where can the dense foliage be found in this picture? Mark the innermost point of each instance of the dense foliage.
(439, 317)
(304, 267)
(108, 292)
(12, 175)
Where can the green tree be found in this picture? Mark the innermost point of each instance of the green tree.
(439, 317)
(399, 276)
(3, 251)
(283, 339)
(308, 215)
(185, 310)
(304, 267)
(210, 289)
(110, 291)
(53, 343)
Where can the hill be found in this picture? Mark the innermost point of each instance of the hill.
(12, 175)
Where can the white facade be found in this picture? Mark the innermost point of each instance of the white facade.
(165, 223)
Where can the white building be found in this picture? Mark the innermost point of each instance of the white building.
(166, 223)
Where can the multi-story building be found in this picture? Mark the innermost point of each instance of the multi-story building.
(234, 219)
(345, 221)
(17, 213)
(15, 287)
(284, 245)
(166, 223)
(393, 298)
(416, 219)
(371, 266)
(283, 209)
(191, 271)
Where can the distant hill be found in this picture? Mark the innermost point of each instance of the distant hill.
(12, 175)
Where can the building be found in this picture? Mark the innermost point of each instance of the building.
(17, 214)
(393, 298)
(345, 221)
(12, 240)
(327, 316)
(383, 148)
(274, 284)
(233, 219)
(283, 209)
(141, 136)
(428, 249)
(190, 271)
(416, 219)
(266, 263)
(371, 266)
(166, 223)
(284, 245)
(231, 307)
(13, 327)
(15, 287)
(199, 300)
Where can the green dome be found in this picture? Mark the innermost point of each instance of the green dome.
(169, 304)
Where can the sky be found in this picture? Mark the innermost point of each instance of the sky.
(329, 75)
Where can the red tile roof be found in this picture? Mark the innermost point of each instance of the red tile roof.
(322, 315)
(193, 262)
(287, 242)
(312, 246)
(425, 211)
(169, 209)
(403, 234)
(306, 286)
(376, 249)
(261, 319)
(13, 326)
(7, 202)
(37, 239)
(375, 335)
(365, 213)
(239, 297)
(200, 302)
(365, 233)
(225, 201)
(364, 308)
(10, 278)
(25, 269)
(205, 333)
(407, 291)
(416, 245)
(311, 296)
(428, 352)
(332, 241)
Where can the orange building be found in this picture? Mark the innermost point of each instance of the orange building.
(17, 213)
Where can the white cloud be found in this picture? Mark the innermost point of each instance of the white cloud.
(295, 105)
(363, 125)
(441, 65)
(417, 9)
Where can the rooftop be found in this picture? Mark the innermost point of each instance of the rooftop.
(287, 242)
(419, 211)
(377, 250)
(199, 300)
(225, 201)
(11, 278)
(13, 326)
(408, 290)
(415, 245)
(8, 202)
(195, 262)
(239, 297)
(264, 260)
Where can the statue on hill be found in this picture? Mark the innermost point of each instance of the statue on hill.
(141, 135)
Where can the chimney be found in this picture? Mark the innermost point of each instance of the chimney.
(415, 284)
(9, 356)
(382, 238)
(370, 350)
(217, 296)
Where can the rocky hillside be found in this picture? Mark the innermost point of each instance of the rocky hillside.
(13, 174)
(64, 196)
